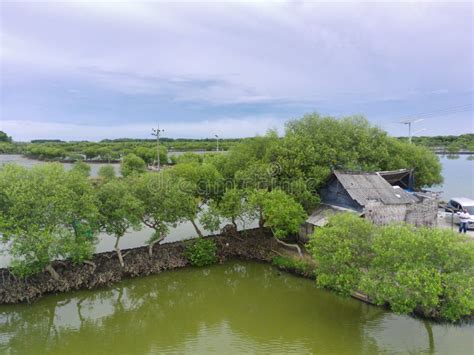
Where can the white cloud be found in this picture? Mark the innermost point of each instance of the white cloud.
(231, 54)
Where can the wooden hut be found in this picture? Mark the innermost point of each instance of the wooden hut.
(371, 196)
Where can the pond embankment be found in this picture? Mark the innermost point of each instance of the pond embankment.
(104, 268)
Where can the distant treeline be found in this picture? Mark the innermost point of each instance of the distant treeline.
(113, 149)
(451, 144)
(110, 149)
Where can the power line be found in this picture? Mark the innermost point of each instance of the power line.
(443, 112)
(409, 123)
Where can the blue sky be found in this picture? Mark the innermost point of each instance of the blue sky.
(94, 70)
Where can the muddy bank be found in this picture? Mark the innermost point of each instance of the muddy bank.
(105, 268)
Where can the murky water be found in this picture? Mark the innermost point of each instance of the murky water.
(26, 162)
(235, 308)
(458, 177)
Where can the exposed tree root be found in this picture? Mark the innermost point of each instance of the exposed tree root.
(296, 246)
(52, 272)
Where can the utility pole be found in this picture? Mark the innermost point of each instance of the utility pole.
(217, 141)
(409, 123)
(156, 132)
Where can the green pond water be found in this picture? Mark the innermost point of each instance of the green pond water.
(235, 308)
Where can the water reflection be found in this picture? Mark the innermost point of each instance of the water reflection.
(452, 156)
(233, 308)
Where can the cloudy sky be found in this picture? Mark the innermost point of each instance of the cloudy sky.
(94, 70)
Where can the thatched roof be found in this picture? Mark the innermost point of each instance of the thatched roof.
(365, 187)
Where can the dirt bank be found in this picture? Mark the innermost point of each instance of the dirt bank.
(248, 245)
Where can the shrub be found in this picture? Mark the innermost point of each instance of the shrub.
(427, 270)
(132, 164)
(202, 252)
(107, 172)
(342, 251)
(46, 214)
(431, 270)
(285, 263)
(81, 168)
(189, 157)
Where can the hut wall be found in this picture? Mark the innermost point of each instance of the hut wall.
(382, 214)
(424, 213)
(306, 230)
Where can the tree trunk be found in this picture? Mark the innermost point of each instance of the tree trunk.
(296, 246)
(198, 231)
(152, 244)
(119, 252)
(52, 272)
(233, 222)
(261, 221)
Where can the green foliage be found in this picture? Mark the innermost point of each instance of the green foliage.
(189, 157)
(74, 157)
(113, 149)
(119, 209)
(202, 252)
(256, 201)
(425, 163)
(204, 183)
(9, 148)
(81, 168)
(423, 269)
(280, 212)
(106, 172)
(132, 164)
(342, 251)
(314, 145)
(233, 206)
(165, 201)
(4, 137)
(204, 179)
(292, 264)
(39, 212)
(301, 162)
(257, 175)
(464, 141)
(454, 147)
(34, 250)
(248, 152)
(149, 154)
(91, 152)
(428, 268)
(46, 151)
(210, 219)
